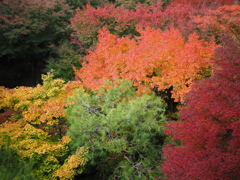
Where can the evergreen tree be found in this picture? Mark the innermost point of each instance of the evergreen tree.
(123, 133)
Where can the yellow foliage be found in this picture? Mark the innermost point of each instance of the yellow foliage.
(52, 110)
(77, 161)
(21, 98)
(38, 132)
(43, 104)
(31, 142)
(65, 139)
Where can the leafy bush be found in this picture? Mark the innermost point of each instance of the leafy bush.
(122, 132)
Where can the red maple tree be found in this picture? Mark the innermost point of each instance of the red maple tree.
(209, 134)
(224, 20)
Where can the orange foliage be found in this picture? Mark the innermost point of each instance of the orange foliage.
(155, 59)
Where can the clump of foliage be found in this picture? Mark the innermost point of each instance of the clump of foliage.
(61, 64)
(73, 165)
(89, 20)
(123, 21)
(121, 131)
(74, 4)
(11, 167)
(181, 14)
(38, 129)
(33, 143)
(27, 29)
(154, 60)
(224, 20)
(198, 3)
(209, 133)
(132, 4)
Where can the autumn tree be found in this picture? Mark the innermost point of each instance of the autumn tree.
(154, 60)
(180, 14)
(122, 21)
(208, 137)
(198, 3)
(38, 128)
(27, 30)
(88, 21)
(121, 131)
(224, 20)
(132, 4)
(74, 4)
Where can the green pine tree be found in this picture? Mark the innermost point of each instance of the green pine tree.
(122, 131)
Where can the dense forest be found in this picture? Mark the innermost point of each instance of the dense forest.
(119, 89)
